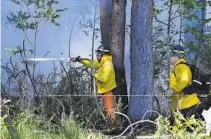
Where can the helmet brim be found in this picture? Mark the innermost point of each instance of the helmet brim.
(100, 52)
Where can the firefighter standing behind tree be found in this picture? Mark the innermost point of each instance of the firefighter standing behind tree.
(105, 77)
(182, 96)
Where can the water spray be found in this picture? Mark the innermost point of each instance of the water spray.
(48, 59)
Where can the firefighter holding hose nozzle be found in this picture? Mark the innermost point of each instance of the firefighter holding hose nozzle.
(104, 76)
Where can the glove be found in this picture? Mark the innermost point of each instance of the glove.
(169, 92)
(75, 59)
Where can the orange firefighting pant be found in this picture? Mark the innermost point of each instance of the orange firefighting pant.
(109, 105)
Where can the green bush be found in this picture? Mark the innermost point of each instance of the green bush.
(182, 128)
(30, 126)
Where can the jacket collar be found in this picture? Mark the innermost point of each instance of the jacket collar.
(105, 58)
(181, 60)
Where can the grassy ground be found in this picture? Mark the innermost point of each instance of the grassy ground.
(30, 126)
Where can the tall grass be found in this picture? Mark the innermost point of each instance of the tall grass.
(30, 126)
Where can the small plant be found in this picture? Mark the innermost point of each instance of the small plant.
(31, 126)
(182, 128)
(3, 117)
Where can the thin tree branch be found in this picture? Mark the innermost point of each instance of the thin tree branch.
(173, 18)
(71, 32)
(27, 68)
(175, 13)
(28, 38)
(160, 21)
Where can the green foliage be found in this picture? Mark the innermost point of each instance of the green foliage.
(50, 120)
(29, 126)
(187, 11)
(156, 11)
(33, 13)
(182, 128)
(159, 50)
(29, 18)
(205, 54)
(13, 51)
(189, 3)
(83, 103)
(17, 50)
(190, 9)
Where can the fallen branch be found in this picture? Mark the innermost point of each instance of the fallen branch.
(141, 121)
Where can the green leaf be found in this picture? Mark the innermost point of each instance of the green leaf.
(31, 51)
(189, 3)
(193, 17)
(61, 10)
(52, 20)
(56, 16)
(156, 11)
(57, 24)
(208, 20)
(39, 9)
(13, 51)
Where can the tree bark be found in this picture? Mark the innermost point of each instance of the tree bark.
(141, 99)
(105, 21)
(169, 33)
(201, 25)
(117, 51)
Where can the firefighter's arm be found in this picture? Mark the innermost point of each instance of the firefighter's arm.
(104, 75)
(88, 63)
(183, 77)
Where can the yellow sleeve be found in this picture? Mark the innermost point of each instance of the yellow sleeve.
(183, 77)
(88, 63)
(104, 74)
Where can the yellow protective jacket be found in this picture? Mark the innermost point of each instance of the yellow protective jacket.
(180, 78)
(105, 75)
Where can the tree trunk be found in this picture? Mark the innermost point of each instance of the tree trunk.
(105, 21)
(117, 51)
(201, 25)
(169, 38)
(141, 99)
